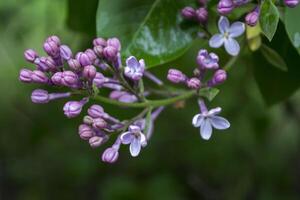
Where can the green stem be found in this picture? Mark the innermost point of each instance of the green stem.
(149, 103)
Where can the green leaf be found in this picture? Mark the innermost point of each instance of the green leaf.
(274, 84)
(82, 16)
(209, 93)
(269, 18)
(292, 15)
(153, 30)
(273, 57)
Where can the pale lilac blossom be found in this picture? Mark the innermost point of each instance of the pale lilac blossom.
(226, 36)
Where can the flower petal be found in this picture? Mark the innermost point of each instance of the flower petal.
(216, 41)
(206, 129)
(126, 138)
(232, 46)
(197, 120)
(143, 140)
(219, 122)
(132, 62)
(214, 111)
(223, 24)
(135, 147)
(236, 29)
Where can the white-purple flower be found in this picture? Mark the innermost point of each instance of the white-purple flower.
(208, 120)
(134, 69)
(135, 138)
(207, 60)
(226, 36)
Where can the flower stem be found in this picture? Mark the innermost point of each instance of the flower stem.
(149, 103)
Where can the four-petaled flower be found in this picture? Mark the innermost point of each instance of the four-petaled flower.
(226, 36)
(135, 138)
(207, 120)
(134, 69)
(207, 60)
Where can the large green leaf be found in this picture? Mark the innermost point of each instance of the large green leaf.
(292, 15)
(149, 29)
(269, 17)
(277, 85)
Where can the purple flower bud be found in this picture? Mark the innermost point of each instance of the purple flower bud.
(99, 42)
(91, 54)
(99, 79)
(114, 42)
(40, 96)
(85, 132)
(188, 13)
(252, 17)
(110, 155)
(96, 141)
(176, 76)
(219, 77)
(53, 38)
(73, 108)
(110, 53)
(57, 78)
(45, 64)
(25, 75)
(225, 7)
(95, 111)
(30, 55)
(123, 96)
(65, 52)
(99, 123)
(207, 60)
(98, 50)
(291, 3)
(193, 83)
(69, 78)
(74, 65)
(202, 15)
(88, 120)
(89, 72)
(83, 59)
(51, 48)
(39, 77)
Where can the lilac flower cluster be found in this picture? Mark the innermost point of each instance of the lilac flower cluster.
(84, 74)
(227, 6)
(206, 62)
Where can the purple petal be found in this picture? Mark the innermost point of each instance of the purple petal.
(216, 41)
(132, 62)
(236, 29)
(219, 122)
(135, 147)
(232, 46)
(143, 140)
(126, 138)
(223, 24)
(197, 120)
(206, 129)
(214, 111)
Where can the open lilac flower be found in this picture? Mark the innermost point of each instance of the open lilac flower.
(134, 69)
(208, 119)
(207, 60)
(135, 138)
(226, 36)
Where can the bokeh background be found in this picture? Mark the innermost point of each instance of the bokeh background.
(42, 157)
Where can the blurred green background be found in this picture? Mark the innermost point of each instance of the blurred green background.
(42, 157)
